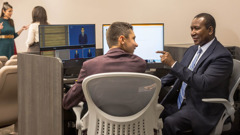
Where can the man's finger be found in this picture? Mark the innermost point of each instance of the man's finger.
(163, 52)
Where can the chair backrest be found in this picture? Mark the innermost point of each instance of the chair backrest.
(3, 59)
(122, 103)
(13, 57)
(8, 95)
(234, 80)
(11, 62)
(229, 105)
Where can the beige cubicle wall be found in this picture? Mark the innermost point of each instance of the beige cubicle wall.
(175, 14)
(39, 95)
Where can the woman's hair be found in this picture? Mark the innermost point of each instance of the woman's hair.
(4, 8)
(39, 14)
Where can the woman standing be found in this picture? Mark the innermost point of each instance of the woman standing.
(7, 33)
(39, 17)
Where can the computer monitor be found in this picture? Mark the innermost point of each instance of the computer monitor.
(150, 38)
(73, 44)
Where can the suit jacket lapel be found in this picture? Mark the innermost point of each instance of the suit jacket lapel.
(188, 62)
(189, 58)
(206, 54)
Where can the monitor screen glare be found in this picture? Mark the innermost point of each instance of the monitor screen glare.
(149, 37)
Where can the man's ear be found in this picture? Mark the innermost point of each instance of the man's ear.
(210, 30)
(121, 39)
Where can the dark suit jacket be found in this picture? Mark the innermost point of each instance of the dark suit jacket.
(76, 55)
(209, 79)
(116, 60)
(83, 39)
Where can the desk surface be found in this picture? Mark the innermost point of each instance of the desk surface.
(69, 80)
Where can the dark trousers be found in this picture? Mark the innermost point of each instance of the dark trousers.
(175, 120)
(70, 120)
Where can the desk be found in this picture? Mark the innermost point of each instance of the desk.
(69, 80)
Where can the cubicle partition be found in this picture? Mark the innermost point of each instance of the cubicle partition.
(39, 95)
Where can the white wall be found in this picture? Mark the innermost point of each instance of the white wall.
(175, 14)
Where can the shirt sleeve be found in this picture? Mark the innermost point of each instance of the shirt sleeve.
(173, 64)
(30, 38)
(75, 94)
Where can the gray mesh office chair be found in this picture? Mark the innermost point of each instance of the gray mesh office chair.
(121, 103)
(229, 104)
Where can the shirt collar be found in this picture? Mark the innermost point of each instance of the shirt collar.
(205, 47)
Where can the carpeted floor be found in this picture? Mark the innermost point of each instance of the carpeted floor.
(7, 130)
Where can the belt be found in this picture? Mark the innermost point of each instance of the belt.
(7, 36)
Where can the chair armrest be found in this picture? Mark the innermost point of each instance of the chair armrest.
(229, 108)
(85, 122)
(159, 109)
(78, 110)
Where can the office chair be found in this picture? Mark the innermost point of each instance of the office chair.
(13, 57)
(3, 59)
(11, 62)
(8, 96)
(229, 104)
(121, 103)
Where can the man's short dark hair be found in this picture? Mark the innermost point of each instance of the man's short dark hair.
(210, 21)
(117, 29)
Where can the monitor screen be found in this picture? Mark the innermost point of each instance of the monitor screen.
(67, 41)
(73, 44)
(150, 38)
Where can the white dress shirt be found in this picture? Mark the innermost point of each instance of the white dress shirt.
(33, 35)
